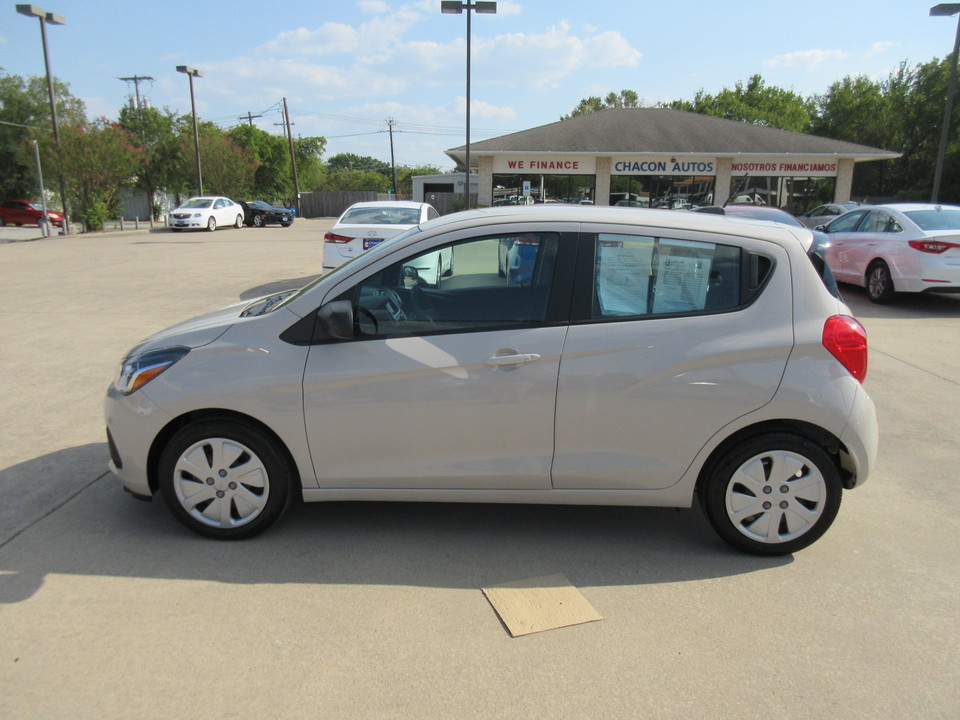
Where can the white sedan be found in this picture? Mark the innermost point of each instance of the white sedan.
(903, 247)
(206, 213)
(367, 224)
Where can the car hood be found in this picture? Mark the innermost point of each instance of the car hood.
(195, 332)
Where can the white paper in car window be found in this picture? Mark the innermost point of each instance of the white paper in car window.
(683, 271)
(623, 274)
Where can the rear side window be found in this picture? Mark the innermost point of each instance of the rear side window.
(642, 276)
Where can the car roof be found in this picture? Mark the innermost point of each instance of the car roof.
(906, 207)
(639, 217)
(389, 203)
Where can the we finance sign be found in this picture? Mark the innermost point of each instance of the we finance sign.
(545, 164)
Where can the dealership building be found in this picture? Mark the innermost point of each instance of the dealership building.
(658, 157)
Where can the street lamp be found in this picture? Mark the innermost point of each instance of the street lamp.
(456, 7)
(192, 73)
(53, 19)
(946, 10)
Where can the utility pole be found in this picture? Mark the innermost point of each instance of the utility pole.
(293, 157)
(249, 117)
(393, 165)
(136, 80)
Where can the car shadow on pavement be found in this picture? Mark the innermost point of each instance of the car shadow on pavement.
(101, 531)
(903, 306)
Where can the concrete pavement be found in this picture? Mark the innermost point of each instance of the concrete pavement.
(110, 609)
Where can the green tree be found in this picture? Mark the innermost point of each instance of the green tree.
(349, 161)
(98, 160)
(273, 176)
(754, 103)
(623, 99)
(158, 133)
(309, 154)
(227, 168)
(25, 114)
(405, 175)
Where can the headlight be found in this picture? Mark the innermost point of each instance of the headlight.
(198, 214)
(137, 370)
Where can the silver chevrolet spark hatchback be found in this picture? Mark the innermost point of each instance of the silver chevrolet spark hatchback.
(634, 358)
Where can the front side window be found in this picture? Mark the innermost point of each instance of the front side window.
(846, 223)
(487, 283)
(639, 276)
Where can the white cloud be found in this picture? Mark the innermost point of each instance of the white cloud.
(483, 110)
(879, 47)
(505, 7)
(805, 58)
(373, 7)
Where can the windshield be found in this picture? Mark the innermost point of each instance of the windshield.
(940, 218)
(341, 268)
(260, 204)
(384, 215)
(198, 203)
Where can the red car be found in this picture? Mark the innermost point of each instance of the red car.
(24, 212)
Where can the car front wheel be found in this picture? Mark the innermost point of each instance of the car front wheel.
(879, 283)
(211, 224)
(225, 480)
(258, 220)
(772, 495)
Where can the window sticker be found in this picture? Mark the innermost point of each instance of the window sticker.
(624, 265)
(683, 270)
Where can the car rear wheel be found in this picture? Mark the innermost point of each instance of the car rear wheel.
(211, 224)
(258, 220)
(225, 480)
(238, 223)
(879, 283)
(772, 495)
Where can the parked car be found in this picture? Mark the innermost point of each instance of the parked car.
(902, 247)
(257, 213)
(651, 359)
(817, 251)
(206, 213)
(25, 212)
(367, 224)
(823, 214)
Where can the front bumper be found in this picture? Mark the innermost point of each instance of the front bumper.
(133, 422)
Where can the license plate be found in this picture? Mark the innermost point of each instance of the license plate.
(286, 219)
(370, 242)
(180, 223)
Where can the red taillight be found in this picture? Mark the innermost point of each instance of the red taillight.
(846, 340)
(334, 238)
(932, 246)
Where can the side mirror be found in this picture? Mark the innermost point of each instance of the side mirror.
(821, 228)
(411, 276)
(335, 320)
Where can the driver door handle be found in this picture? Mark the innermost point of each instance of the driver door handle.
(511, 359)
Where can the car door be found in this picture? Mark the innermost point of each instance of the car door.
(447, 387)
(671, 339)
(223, 212)
(843, 237)
(861, 247)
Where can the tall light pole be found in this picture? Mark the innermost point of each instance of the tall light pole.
(53, 19)
(456, 7)
(192, 73)
(946, 10)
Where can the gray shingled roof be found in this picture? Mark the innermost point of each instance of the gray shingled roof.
(662, 130)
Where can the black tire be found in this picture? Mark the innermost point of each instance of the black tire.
(258, 220)
(212, 224)
(286, 224)
(790, 482)
(2, 222)
(238, 223)
(879, 283)
(249, 480)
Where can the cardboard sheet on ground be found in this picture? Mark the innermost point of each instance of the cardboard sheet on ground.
(538, 604)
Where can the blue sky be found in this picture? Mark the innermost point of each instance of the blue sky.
(346, 67)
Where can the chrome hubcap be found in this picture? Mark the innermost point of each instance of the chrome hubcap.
(878, 282)
(221, 483)
(775, 497)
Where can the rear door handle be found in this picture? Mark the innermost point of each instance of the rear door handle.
(513, 358)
